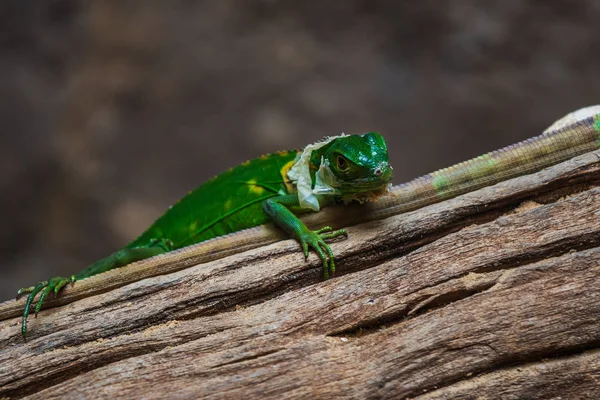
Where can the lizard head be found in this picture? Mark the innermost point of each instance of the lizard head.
(355, 166)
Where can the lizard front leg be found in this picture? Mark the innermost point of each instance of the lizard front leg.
(278, 208)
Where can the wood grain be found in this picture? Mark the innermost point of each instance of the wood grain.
(494, 294)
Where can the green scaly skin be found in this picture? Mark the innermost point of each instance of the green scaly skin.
(251, 194)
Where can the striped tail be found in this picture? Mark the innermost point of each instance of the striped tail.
(528, 156)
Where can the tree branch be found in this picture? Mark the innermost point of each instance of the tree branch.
(494, 292)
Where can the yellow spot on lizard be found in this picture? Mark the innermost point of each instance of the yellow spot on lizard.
(254, 188)
(289, 186)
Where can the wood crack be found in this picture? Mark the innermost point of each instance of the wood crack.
(512, 366)
(253, 357)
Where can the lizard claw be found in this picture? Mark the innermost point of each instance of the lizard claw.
(316, 241)
(53, 284)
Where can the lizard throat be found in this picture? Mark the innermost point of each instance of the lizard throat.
(299, 174)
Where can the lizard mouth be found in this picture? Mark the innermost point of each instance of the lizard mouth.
(377, 182)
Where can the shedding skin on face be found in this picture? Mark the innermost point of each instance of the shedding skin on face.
(352, 167)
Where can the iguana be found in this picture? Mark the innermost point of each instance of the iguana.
(274, 187)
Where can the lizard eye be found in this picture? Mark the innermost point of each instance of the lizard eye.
(342, 163)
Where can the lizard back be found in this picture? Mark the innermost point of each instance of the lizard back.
(229, 202)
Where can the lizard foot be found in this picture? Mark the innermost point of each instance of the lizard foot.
(53, 284)
(316, 241)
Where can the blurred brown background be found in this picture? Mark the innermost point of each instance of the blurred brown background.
(111, 110)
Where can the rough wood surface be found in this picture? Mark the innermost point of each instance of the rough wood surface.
(495, 294)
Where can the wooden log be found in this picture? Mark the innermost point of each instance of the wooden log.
(494, 294)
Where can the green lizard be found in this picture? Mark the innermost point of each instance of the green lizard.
(342, 168)
(272, 187)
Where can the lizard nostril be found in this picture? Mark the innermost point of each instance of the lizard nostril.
(378, 171)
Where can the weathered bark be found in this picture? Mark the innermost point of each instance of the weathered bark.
(494, 294)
